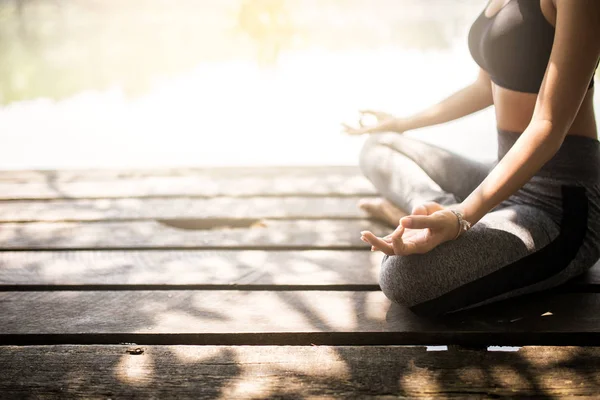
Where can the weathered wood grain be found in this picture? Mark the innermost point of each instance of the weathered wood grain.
(212, 372)
(196, 267)
(202, 182)
(150, 234)
(202, 186)
(99, 174)
(286, 317)
(251, 268)
(181, 208)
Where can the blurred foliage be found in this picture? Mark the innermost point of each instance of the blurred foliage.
(56, 48)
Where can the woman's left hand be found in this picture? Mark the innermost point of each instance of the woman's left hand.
(429, 225)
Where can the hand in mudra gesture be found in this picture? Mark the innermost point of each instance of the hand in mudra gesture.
(429, 225)
(384, 123)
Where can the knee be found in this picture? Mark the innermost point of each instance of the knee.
(400, 280)
(369, 159)
(366, 154)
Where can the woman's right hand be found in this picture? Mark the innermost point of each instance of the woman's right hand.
(384, 123)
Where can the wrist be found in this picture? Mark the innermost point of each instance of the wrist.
(468, 213)
(401, 125)
(462, 225)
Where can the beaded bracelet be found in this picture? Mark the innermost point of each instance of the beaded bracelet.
(463, 225)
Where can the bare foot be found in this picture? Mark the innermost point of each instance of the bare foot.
(382, 210)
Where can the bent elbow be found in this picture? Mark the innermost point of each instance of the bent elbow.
(550, 136)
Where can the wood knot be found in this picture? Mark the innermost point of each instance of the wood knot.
(137, 351)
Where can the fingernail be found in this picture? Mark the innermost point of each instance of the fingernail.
(363, 232)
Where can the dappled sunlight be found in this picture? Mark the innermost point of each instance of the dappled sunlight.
(154, 307)
(337, 313)
(304, 266)
(309, 267)
(297, 311)
(248, 387)
(182, 321)
(376, 258)
(60, 270)
(254, 257)
(328, 363)
(178, 273)
(40, 233)
(227, 267)
(567, 377)
(373, 310)
(472, 373)
(503, 373)
(135, 369)
(197, 183)
(195, 354)
(240, 317)
(277, 233)
(298, 372)
(261, 375)
(302, 360)
(265, 370)
(207, 269)
(558, 356)
(419, 380)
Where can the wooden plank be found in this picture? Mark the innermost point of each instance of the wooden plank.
(100, 174)
(210, 372)
(252, 268)
(286, 317)
(282, 234)
(178, 208)
(200, 186)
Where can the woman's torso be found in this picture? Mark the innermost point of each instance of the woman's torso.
(513, 32)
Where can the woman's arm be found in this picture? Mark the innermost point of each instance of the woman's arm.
(572, 62)
(575, 52)
(466, 101)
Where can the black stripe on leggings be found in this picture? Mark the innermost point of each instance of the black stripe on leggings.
(531, 269)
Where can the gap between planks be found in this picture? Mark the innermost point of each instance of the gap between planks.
(176, 287)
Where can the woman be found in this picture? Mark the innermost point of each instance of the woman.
(478, 234)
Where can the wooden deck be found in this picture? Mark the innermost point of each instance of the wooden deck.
(248, 283)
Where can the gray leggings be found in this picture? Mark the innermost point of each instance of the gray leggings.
(545, 234)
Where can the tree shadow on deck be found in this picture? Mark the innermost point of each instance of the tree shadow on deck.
(296, 372)
(275, 372)
(290, 372)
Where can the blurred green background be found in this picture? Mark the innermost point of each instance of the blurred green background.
(56, 48)
(151, 83)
